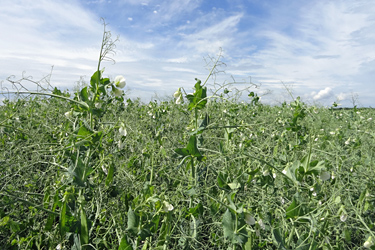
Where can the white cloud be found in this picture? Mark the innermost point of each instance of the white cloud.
(39, 34)
(211, 38)
(322, 94)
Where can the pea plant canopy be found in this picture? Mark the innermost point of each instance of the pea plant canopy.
(95, 170)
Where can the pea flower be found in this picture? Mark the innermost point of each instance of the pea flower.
(167, 207)
(117, 92)
(178, 96)
(120, 82)
(122, 130)
(105, 170)
(369, 242)
(69, 114)
(343, 217)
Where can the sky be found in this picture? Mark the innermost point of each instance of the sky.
(321, 50)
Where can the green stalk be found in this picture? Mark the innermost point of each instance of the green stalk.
(29, 203)
(53, 95)
(193, 170)
(212, 69)
(152, 169)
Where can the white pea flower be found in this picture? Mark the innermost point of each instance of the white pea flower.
(98, 105)
(369, 242)
(117, 92)
(58, 247)
(333, 176)
(120, 144)
(122, 130)
(343, 217)
(347, 142)
(261, 224)
(105, 170)
(179, 100)
(69, 114)
(178, 96)
(249, 219)
(177, 93)
(120, 82)
(167, 207)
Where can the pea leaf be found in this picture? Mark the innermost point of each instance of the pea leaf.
(191, 149)
(197, 99)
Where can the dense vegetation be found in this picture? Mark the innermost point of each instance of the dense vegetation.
(99, 171)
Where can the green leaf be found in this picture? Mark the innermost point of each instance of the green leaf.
(229, 222)
(205, 121)
(83, 132)
(94, 79)
(124, 244)
(294, 210)
(49, 223)
(79, 172)
(291, 171)
(182, 151)
(84, 228)
(4, 221)
(109, 178)
(277, 238)
(63, 219)
(133, 221)
(105, 81)
(316, 168)
(197, 100)
(222, 181)
(14, 226)
(197, 210)
(230, 230)
(191, 149)
(84, 95)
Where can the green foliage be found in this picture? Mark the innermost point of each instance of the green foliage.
(98, 171)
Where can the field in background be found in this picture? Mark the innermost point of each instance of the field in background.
(249, 176)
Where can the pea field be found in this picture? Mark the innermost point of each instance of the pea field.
(97, 170)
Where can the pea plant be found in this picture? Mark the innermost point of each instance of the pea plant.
(210, 169)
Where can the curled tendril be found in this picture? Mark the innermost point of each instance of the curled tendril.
(108, 46)
(4, 91)
(17, 88)
(234, 87)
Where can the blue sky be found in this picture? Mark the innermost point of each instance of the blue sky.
(323, 51)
